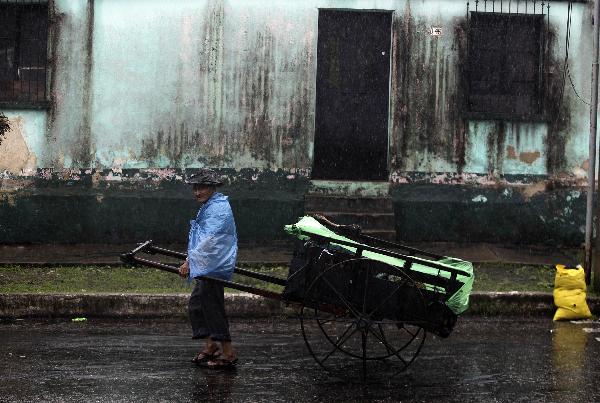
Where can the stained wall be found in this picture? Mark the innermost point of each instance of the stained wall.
(144, 92)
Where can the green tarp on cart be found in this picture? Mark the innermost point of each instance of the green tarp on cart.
(458, 302)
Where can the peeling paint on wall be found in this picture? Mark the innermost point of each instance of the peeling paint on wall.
(16, 156)
(533, 190)
(528, 157)
(156, 177)
(479, 199)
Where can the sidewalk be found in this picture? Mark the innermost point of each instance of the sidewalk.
(278, 253)
(246, 305)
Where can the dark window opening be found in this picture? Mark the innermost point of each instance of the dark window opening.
(23, 54)
(505, 65)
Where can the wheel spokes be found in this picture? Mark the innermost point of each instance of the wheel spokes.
(387, 346)
(385, 343)
(332, 320)
(342, 298)
(365, 292)
(341, 340)
(364, 353)
(386, 299)
(339, 303)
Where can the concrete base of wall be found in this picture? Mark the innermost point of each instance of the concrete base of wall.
(504, 214)
(140, 206)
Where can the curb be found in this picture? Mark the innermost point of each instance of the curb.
(125, 305)
(237, 305)
(519, 303)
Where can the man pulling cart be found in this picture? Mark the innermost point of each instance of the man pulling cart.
(361, 299)
(212, 251)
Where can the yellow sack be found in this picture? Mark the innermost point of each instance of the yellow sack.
(569, 294)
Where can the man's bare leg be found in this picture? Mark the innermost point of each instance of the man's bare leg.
(210, 351)
(228, 352)
(210, 346)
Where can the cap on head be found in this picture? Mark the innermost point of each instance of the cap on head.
(204, 177)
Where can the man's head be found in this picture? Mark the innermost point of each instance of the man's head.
(204, 183)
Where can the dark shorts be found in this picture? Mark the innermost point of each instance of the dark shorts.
(206, 309)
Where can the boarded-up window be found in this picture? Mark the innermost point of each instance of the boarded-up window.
(23, 60)
(505, 65)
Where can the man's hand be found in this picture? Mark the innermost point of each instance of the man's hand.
(184, 269)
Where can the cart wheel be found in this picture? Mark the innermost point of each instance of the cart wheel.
(362, 320)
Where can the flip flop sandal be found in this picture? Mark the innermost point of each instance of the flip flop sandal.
(204, 357)
(222, 363)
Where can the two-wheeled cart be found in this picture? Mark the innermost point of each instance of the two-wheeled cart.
(365, 304)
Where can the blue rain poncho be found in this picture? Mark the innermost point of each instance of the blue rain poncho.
(212, 242)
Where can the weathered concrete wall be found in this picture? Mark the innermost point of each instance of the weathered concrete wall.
(231, 84)
(533, 213)
(69, 132)
(215, 83)
(429, 130)
(142, 91)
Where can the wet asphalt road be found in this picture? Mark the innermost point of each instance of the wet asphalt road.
(488, 360)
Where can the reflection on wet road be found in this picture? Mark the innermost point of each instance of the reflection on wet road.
(495, 359)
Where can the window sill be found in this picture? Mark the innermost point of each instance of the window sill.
(25, 105)
(541, 118)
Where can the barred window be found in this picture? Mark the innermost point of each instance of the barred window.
(23, 54)
(505, 65)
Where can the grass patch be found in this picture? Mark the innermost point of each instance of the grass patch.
(105, 279)
(513, 277)
(95, 279)
(517, 277)
(78, 279)
(271, 270)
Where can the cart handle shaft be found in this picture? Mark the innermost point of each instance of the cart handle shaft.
(225, 283)
(147, 247)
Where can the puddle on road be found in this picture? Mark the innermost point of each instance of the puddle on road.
(503, 359)
(569, 361)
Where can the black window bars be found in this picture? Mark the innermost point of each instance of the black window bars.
(23, 52)
(507, 58)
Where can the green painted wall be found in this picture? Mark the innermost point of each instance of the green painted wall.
(144, 90)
